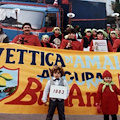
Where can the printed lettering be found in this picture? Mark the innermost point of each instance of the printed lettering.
(21, 55)
(28, 91)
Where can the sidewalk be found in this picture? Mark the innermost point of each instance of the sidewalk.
(42, 117)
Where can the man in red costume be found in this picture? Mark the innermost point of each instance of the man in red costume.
(26, 38)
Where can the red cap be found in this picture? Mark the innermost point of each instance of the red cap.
(106, 73)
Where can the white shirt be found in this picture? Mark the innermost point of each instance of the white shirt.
(47, 88)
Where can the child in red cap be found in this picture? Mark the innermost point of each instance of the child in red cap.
(107, 97)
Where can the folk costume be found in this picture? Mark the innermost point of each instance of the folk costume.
(116, 45)
(113, 38)
(45, 44)
(109, 45)
(45, 41)
(56, 39)
(27, 39)
(86, 40)
(107, 97)
(75, 45)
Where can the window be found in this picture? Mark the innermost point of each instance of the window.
(8, 18)
(50, 20)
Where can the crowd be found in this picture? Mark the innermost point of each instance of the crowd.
(70, 39)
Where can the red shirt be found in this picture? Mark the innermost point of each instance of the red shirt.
(108, 99)
(110, 49)
(27, 40)
(113, 39)
(116, 45)
(76, 45)
(45, 44)
(109, 30)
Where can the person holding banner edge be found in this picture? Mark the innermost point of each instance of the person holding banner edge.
(57, 72)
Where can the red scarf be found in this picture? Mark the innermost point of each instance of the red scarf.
(56, 35)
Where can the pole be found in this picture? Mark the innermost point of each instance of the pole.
(16, 12)
(117, 22)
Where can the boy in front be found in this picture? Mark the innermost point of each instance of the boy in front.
(57, 72)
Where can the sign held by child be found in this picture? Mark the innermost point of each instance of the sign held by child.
(59, 92)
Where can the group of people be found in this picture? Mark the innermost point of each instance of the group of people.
(70, 39)
(106, 97)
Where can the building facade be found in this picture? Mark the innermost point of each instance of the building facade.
(109, 4)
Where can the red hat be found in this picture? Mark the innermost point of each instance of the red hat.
(106, 73)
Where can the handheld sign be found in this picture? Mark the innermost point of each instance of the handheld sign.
(59, 92)
(100, 46)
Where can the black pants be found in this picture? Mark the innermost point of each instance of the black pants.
(114, 117)
(60, 108)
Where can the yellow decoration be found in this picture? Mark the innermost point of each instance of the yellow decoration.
(6, 76)
(2, 82)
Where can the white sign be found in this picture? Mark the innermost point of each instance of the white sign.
(59, 92)
(100, 45)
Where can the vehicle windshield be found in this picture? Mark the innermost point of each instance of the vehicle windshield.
(8, 18)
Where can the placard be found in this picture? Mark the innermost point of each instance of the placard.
(100, 46)
(59, 92)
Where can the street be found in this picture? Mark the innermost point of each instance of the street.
(42, 117)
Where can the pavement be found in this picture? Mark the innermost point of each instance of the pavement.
(42, 117)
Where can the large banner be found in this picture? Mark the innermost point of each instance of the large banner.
(25, 70)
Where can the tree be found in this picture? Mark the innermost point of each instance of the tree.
(117, 6)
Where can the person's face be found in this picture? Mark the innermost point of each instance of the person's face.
(113, 35)
(88, 33)
(67, 28)
(71, 35)
(57, 74)
(94, 33)
(26, 29)
(108, 27)
(57, 31)
(79, 30)
(45, 39)
(117, 31)
(108, 79)
(100, 36)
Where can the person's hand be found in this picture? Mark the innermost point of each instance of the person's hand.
(98, 108)
(46, 103)
(69, 44)
(18, 42)
(93, 47)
